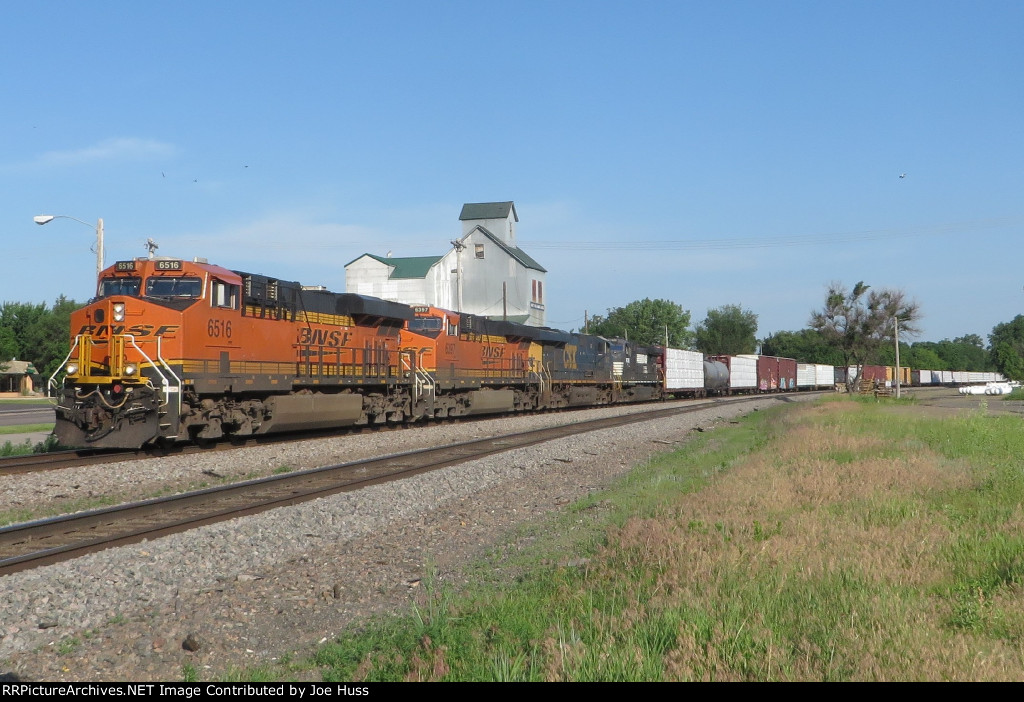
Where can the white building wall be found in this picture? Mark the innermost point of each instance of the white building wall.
(365, 271)
(503, 227)
(368, 276)
(481, 278)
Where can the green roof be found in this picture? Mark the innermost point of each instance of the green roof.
(488, 210)
(408, 267)
(513, 251)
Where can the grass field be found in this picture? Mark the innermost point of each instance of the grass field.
(10, 448)
(27, 428)
(846, 540)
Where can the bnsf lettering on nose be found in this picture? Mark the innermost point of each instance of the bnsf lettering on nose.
(494, 352)
(136, 330)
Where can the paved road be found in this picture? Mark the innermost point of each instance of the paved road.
(25, 412)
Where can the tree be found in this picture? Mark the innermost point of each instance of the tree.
(728, 330)
(1007, 344)
(31, 332)
(858, 322)
(924, 357)
(645, 322)
(807, 345)
(48, 337)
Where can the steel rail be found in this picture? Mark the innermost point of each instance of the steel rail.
(56, 539)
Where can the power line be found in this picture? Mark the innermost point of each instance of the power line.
(769, 242)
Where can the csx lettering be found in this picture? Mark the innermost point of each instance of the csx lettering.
(134, 330)
(323, 337)
(569, 356)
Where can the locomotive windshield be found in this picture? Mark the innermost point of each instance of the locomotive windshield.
(173, 286)
(429, 326)
(120, 286)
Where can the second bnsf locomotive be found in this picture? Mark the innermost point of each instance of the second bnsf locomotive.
(175, 350)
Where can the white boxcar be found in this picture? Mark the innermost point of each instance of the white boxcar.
(824, 375)
(805, 375)
(922, 377)
(743, 372)
(684, 371)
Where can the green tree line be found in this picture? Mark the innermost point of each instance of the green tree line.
(36, 333)
(855, 326)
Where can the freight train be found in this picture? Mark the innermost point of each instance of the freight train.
(174, 350)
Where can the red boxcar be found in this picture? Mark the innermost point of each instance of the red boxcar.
(787, 374)
(767, 374)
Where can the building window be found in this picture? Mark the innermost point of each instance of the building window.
(479, 250)
(540, 291)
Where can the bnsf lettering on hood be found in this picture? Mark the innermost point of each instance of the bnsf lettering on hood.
(323, 337)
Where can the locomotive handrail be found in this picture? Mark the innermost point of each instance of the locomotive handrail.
(64, 364)
(423, 383)
(167, 386)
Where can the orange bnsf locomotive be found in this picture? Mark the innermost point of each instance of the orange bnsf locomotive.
(177, 350)
(473, 365)
(172, 350)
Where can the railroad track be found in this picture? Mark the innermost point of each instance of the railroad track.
(57, 460)
(42, 542)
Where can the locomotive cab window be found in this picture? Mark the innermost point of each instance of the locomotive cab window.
(173, 286)
(120, 286)
(223, 294)
(428, 326)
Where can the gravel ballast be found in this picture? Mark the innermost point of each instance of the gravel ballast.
(248, 591)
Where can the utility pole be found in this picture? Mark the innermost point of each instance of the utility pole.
(459, 246)
(896, 324)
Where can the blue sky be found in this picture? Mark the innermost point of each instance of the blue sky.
(708, 153)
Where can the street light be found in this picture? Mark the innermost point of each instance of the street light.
(46, 219)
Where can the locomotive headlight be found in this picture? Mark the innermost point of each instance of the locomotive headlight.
(118, 311)
(130, 369)
(71, 369)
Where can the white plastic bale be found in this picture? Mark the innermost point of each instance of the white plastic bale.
(684, 370)
(743, 372)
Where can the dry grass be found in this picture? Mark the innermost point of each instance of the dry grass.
(814, 559)
(839, 541)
